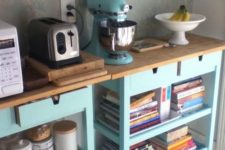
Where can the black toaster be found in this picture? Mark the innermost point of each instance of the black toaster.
(54, 42)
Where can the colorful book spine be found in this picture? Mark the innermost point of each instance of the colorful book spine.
(184, 85)
(143, 119)
(142, 114)
(133, 147)
(182, 146)
(145, 122)
(187, 104)
(148, 105)
(173, 144)
(188, 92)
(142, 100)
(193, 96)
(144, 126)
(174, 134)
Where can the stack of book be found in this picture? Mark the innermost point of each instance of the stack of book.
(109, 111)
(177, 139)
(187, 96)
(109, 145)
(143, 112)
(144, 145)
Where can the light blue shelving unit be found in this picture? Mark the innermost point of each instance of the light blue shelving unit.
(20, 118)
(208, 67)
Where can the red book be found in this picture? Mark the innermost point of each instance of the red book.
(187, 98)
(186, 85)
(188, 92)
(133, 147)
(139, 114)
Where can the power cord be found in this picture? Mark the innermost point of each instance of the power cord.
(70, 7)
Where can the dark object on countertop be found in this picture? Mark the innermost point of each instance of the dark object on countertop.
(32, 79)
(54, 42)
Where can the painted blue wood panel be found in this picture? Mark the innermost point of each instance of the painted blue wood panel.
(148, 80)
(44, 111)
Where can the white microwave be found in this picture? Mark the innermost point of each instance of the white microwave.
(11, 81)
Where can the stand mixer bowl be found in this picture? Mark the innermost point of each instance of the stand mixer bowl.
(117, 36)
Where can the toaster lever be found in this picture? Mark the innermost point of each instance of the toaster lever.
(71, 34)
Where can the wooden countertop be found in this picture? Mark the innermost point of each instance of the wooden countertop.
(147, 60)
(142, 61)
(47, 91)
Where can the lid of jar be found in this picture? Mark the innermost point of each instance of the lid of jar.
(64, 127)
(39, 133)
(21, 145)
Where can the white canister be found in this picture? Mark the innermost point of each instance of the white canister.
(65, 135)
(21, 145)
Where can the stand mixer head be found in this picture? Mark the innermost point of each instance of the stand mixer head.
(113, 35)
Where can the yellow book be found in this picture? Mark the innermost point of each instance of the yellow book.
(138, 101)
(178, 142)
(143, 118)
(173, 145)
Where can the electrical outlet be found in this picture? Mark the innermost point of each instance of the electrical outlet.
(64, 9)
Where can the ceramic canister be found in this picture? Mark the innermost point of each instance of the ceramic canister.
(21, 145)
(40, 133)
(43, 145)
(65, 135)
(6, 141)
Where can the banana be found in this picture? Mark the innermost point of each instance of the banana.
(186, 16)
(181, 14)
(175, 16)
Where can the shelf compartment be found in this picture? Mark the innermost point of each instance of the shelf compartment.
(201, 146)
(107, 132)
(161, 128)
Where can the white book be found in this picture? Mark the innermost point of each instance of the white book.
(163, 96)
(191, 91)
(112, 97)
(151, 104)
(189, 109)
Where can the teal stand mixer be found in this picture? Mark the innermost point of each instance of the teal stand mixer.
(112, 33)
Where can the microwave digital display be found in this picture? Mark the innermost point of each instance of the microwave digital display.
(7, 43)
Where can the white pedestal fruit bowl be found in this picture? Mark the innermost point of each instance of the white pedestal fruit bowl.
(179, 27)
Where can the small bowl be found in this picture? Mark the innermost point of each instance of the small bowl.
(179, 27)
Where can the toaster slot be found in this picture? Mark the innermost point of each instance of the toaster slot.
(51, 21)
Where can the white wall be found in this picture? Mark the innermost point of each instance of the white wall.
(214, 26)
(214, 10)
